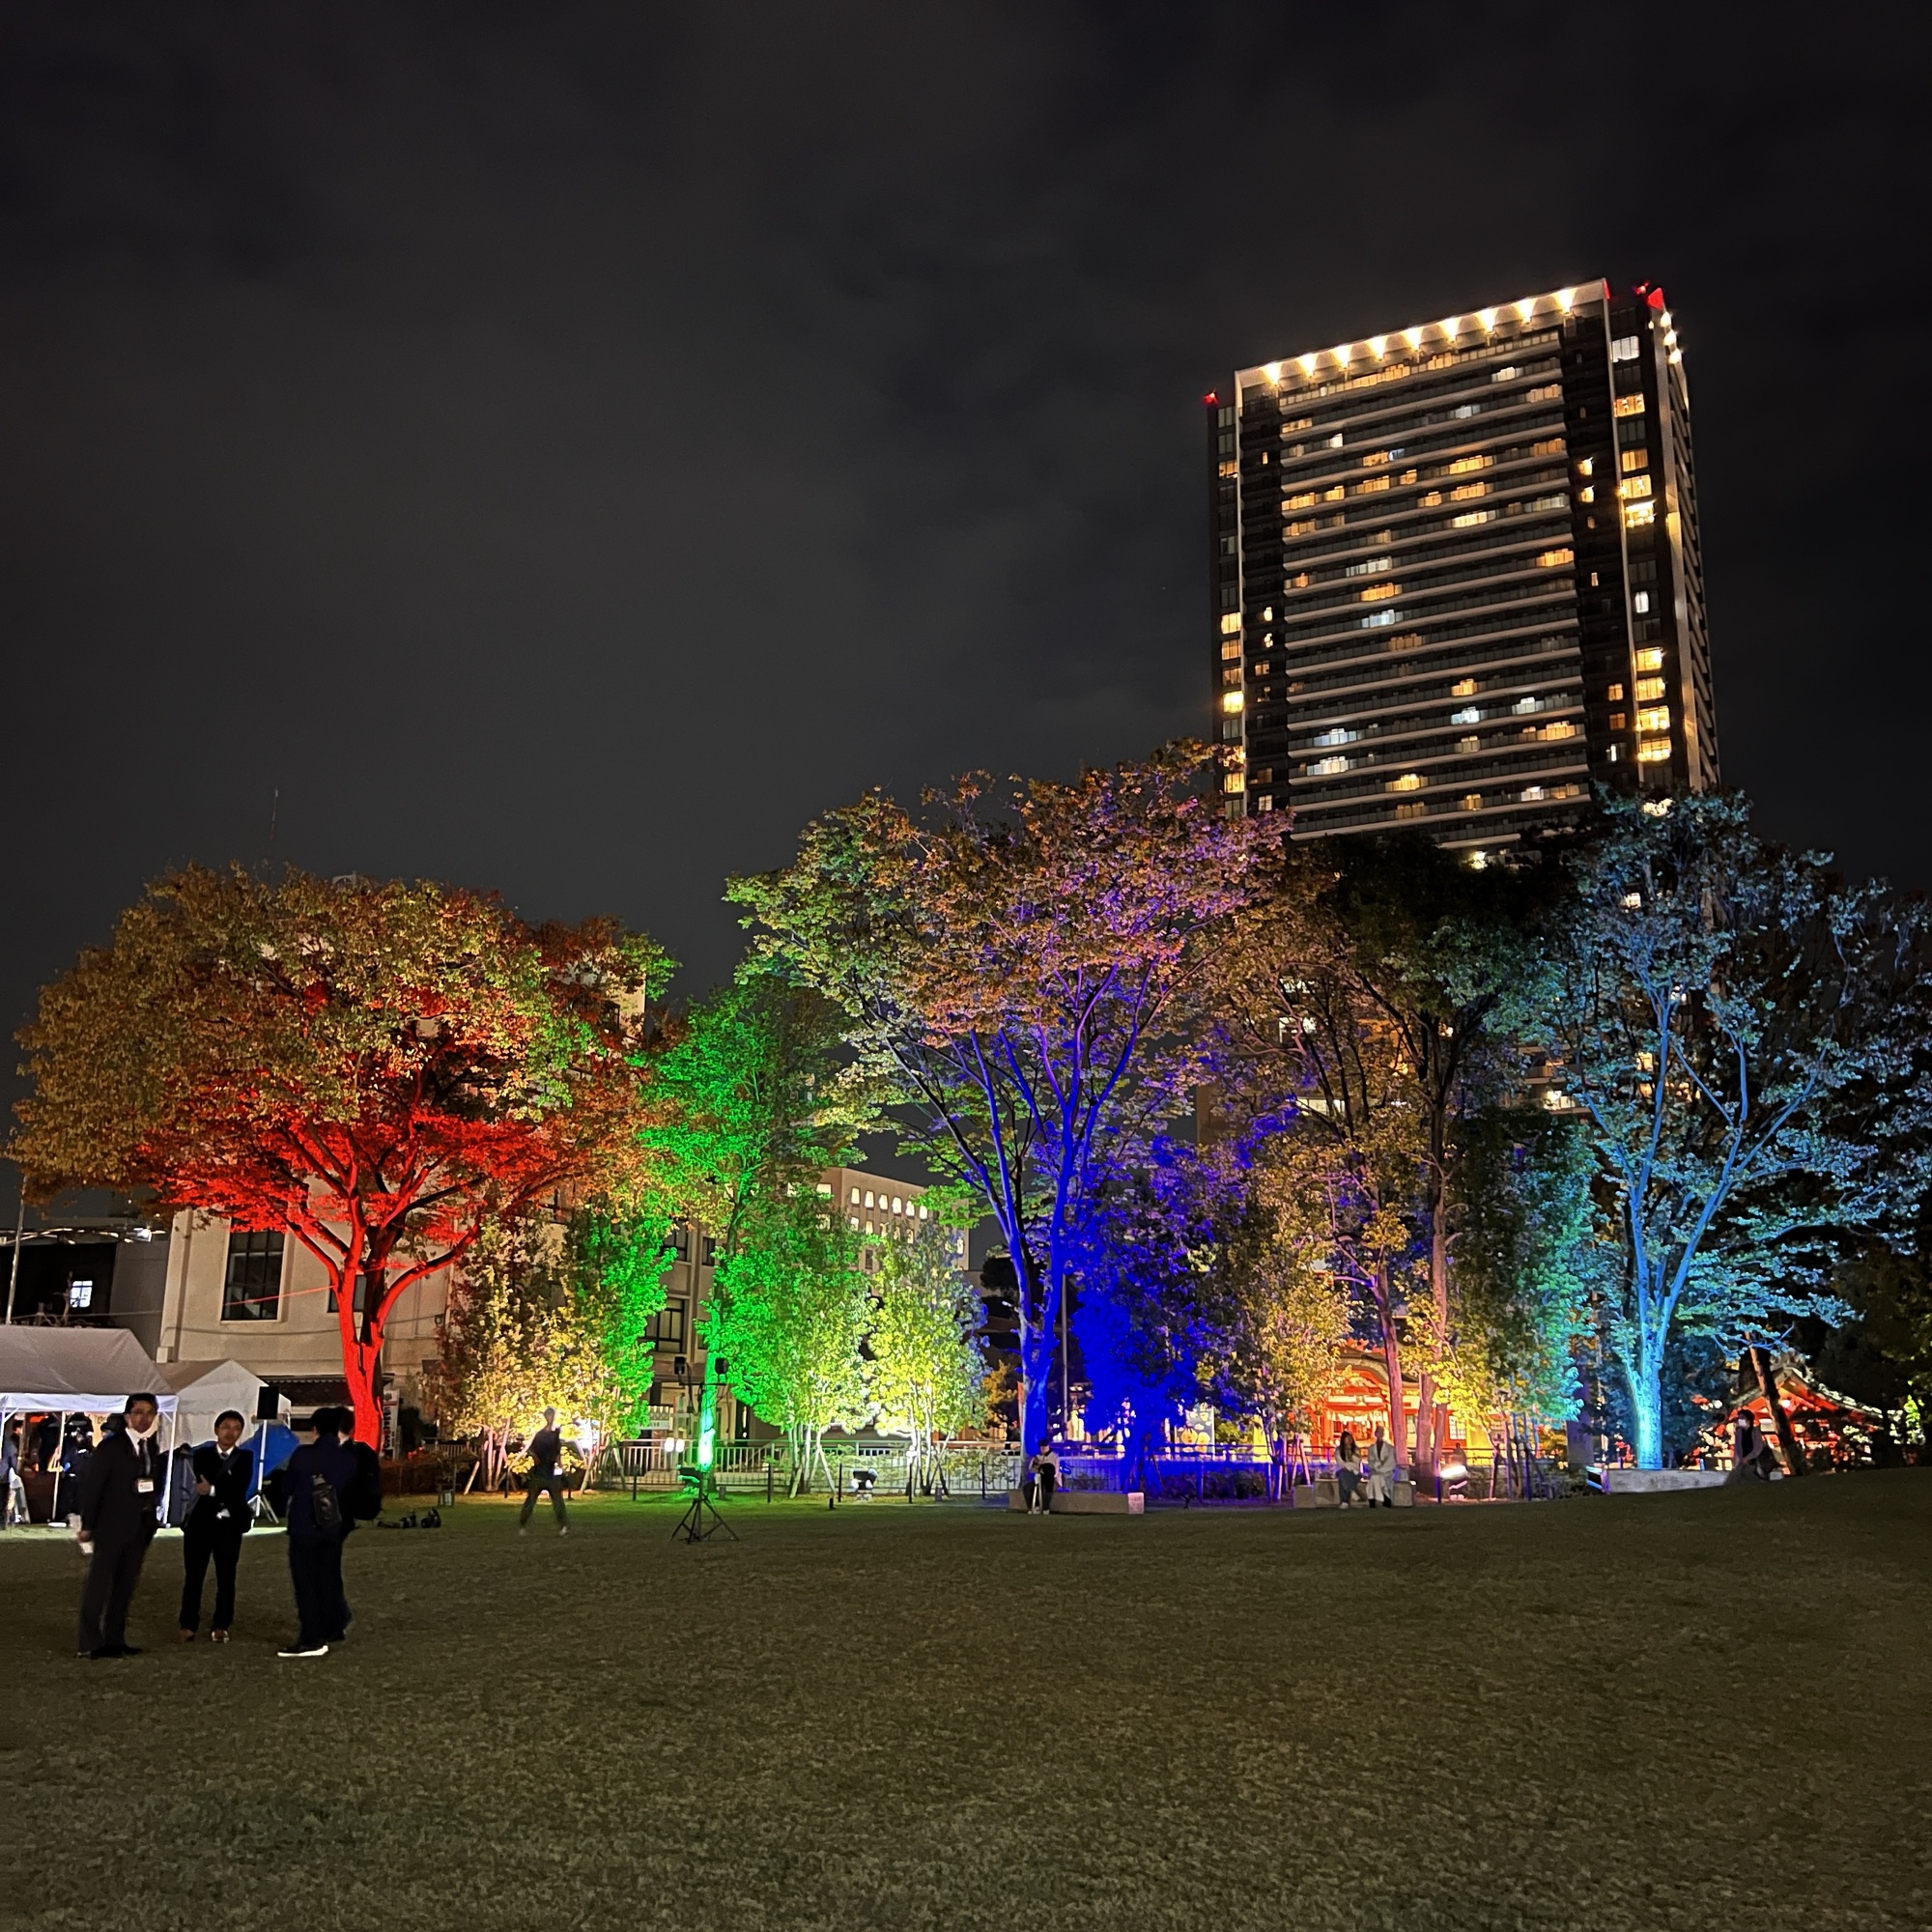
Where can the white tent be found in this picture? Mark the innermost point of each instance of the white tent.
(67, 1371)
(201, 1390)
(77, 1370)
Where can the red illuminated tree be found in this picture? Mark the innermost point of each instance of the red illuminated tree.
(376, 1068)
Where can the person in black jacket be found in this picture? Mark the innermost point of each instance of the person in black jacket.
(546, 1474)
(214, 1526)
(120, 1489)
(327, 1479)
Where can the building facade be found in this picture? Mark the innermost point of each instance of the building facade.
(1457, 581)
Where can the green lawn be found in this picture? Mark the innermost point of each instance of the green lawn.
(1682, 1711)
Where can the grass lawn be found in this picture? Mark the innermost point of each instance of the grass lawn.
(1650, 1711)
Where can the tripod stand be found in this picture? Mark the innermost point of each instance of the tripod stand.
(691, 1525)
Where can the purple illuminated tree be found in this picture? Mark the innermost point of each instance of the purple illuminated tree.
(1017, 970)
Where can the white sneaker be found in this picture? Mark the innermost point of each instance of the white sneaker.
(563, 1529)
(314, 1650)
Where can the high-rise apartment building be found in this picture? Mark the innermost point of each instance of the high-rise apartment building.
(1457, 581)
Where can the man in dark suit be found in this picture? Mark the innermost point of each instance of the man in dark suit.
(322, 1479)
(214, 1526)
(120, 1489)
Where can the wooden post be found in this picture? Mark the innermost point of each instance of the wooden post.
(1787, 1437)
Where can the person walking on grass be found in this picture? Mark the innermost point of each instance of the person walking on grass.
(214, 1526)
(545, 1473)
(13, 1491)
(1381, 1471)
(321, 1474)
(119, 1487)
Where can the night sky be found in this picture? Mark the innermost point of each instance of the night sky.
(564, 447)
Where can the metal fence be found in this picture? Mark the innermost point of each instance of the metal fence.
(966, 1471)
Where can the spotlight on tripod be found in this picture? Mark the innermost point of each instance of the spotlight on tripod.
(700, 1518)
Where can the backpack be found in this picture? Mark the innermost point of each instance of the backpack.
(323, 1504)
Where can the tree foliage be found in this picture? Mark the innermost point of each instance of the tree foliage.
(926, 1375)
(380, 1069)
(1015, 973)
(1734, 1023)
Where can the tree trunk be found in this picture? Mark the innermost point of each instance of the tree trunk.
(1428, 1434)
(1398, 1432)
(1787, 1437)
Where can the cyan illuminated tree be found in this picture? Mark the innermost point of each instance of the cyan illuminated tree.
(380, 1070)
(1738, 1027)
(1017, 974)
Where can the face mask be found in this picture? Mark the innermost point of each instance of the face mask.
(146, 1435)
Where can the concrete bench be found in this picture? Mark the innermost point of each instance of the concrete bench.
(1088, 1502)
(1613, 1482)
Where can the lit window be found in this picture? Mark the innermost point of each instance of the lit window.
(1429, 498)
(1640, 602)
(1549, 446)
(1231, 624)
(1470, 518)
(1264, 803)
(1462, 492)
(1650, 658)
(1333, 496)
(1470, 714)
(1230, 647)
(1463, 465)
(1549, 560)
(1648, 688)
(1632, 487)
(1656, 719)
(1464, 687)
(1618, 721)
(868, 1197)
(1615, 694)
(1466, 744)
(1653, 752)
(1299, 530)
(1335, 440)
(925, 1212)
(1369, 566)
(1340, 735)
(1628, 406)
(1508, 373)
(1377, 592)
(1371, 485)
(1373, 457)
(1411, 810)
(1586, 465)
(1636, 459)
(1230, 468)
(1323, 768)
(854, 1197)
(1587, 495)
(1639, 516)
(1304, 501)
(1623, 349)
(1408, 781)
(1531, 793)
(1547, 394)
(1298, 582)
(1234, 783)
(1230, 700)
(1471, 801)
(898, 1205)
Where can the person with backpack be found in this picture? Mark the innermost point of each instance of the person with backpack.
(323, 1475)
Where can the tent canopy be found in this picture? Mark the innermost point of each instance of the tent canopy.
(84, 1371)
(203, 1390)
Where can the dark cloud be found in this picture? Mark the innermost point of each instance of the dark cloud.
(563, 448)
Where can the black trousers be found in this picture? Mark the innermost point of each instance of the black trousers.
(535, 1488)
(112, 1572)
(202, 1539)
(315, 1569)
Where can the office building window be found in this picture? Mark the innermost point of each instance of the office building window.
(251, 1290)
(666, 1329)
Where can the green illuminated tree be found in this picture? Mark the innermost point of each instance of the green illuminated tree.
(926, 1377)
(788, 1316)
